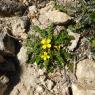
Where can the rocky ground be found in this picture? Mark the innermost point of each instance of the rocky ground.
(18, 78)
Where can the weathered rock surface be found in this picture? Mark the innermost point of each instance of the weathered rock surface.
(57, 17)
(48, 15)
(65, 2)
(9, 47)
(16, 26)
(3, 84)
(39, 3)
(8, 54)
(35, 81)
(75, 41)
(32, 12)
(85, 73)
(22, 55)
(10, 7)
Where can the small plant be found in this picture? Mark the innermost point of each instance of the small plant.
(85, 20)
(58, 6)
(47, 48)
(93, 43)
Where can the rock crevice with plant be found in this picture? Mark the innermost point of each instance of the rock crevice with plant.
(47, 47)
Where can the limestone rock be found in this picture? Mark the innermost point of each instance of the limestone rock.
(49, 7)
(65, 2)
(85, 85)
(38, 18)
(2, 35)
(86, 72)
(78, 90)
(32, 84)
(57, 17)
(49, 15)
(39, 89)
(32, 12)
(17, 26)
(75, 41)
(41, 72)
(19, 89)
(11, 7)
(49, 84)
(42, 79)
(22, 55)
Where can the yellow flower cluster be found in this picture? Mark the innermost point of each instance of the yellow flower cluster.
(45, 56)
(45, 45)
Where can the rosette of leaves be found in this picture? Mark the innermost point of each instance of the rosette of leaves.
(47, 49)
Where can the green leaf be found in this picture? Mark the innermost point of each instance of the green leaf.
(59, 7)
(93, 43)
(92, 16)
(59, 58)
(50, 31)
(46, 64)
(37, 59)
(42, 32)
(63, 38)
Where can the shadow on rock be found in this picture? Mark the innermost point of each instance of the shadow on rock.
(10, 67)
(13, 73)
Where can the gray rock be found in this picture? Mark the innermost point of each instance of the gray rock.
(57, 17)
(16, 26)
(32, 12)
(79, 90)
(86, 72)
(85, 85)
(22, 55)
(49, 15)
(75, 41)
(50, 84)
(10, 7)
(40, 3)
(2, 35)
(39, 89)
(41, 72)
(19, 26)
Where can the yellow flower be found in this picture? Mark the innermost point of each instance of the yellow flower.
(46, 43)
(57, 47)
(45, 56)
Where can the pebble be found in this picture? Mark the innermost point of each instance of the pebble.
(50, 84)
(39, 89)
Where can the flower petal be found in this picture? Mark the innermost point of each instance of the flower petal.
(44, 46)
(49, 46)
(48, 56)
(48, 41)
(45, 53)
(43, 41)
(44, 58)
